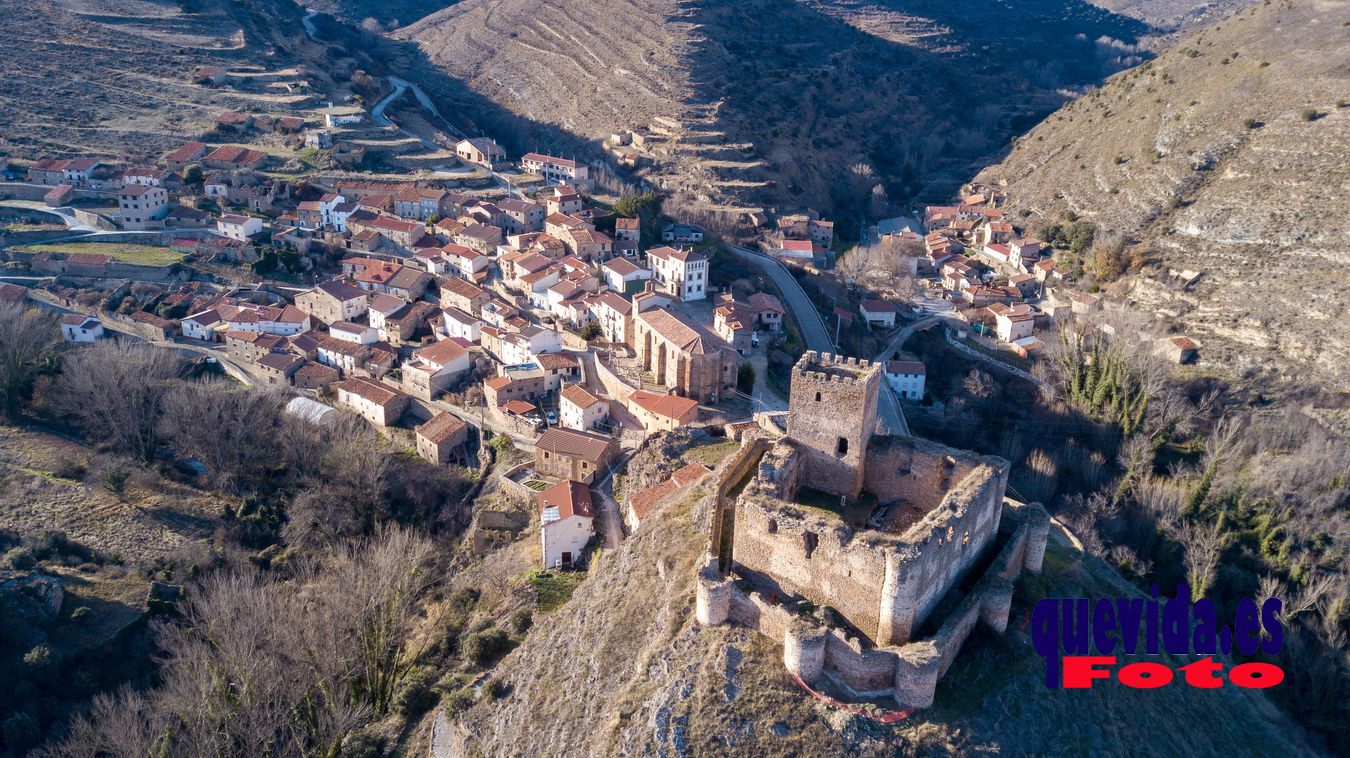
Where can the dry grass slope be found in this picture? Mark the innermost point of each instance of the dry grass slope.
(1228, 156)
(111, 77)
(623, 670)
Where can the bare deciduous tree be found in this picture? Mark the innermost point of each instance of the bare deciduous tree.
(26, 338)
(117, 393)
(1203, 543)
(259, 667)
(232, 432)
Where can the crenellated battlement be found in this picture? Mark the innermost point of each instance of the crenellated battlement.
(830, 368)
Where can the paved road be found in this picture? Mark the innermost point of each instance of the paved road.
(891, 415)
(308, 21)
(795, 299)
(610, 513)
(765, 397)
(400, 86)
(232, 366)
(62, 213)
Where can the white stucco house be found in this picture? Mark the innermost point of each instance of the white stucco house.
(78, 328)
(567, 521)
(906, 378)
(579, 409)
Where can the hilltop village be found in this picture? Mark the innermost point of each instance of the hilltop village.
(468, 303)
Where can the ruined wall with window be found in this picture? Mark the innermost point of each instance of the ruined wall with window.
(883, 579)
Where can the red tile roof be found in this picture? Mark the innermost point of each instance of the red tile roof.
(570, 498)
(441, 427)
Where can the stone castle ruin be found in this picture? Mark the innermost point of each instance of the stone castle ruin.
(870, 558)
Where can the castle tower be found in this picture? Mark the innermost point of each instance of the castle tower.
(832, 413)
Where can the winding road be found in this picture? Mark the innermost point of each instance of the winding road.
(804, 312)
(891, 420)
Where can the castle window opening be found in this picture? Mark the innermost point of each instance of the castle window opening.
(817, 397)
(773, 526)
(809, 541)
(842, 447)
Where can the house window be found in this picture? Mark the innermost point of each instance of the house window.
(842, 447)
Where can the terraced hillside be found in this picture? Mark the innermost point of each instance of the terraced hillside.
(1227, 157)
(753, 103)
(110, 77)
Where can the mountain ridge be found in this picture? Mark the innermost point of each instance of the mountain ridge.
(1223, 157)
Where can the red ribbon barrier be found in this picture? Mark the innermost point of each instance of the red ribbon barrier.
(886, 717)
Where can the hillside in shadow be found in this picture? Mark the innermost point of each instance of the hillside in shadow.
(767, 103)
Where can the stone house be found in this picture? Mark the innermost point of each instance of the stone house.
(315, 376)
(373, 400)
(157, 327)
(463, 295)
(433, 369)
(278, 368)
(442, 439)
(559, 368)
(333, 301)
(766, 311)
(521, 216)
(629, 229)
(662, 412)
(733, 323)
(568, 454)
(480, 151)
(500, 390)
(1179, 349)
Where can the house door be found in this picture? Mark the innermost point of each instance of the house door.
(566, 558)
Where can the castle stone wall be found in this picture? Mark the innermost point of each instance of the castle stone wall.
(865, 671)
(941, 548)
(918, 472)
(910, 672)
(812, 558)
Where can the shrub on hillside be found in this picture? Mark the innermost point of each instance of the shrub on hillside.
(20, 559)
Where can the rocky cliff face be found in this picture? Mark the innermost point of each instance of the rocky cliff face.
(1225, 156)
